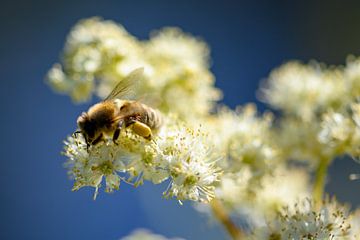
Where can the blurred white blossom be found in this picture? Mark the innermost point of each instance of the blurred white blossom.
(244, 137)
(265, 196)
(315, 101)
(100, 53)
(304, 221)
(94, 50)
(337, 132)
(284, 187)
(304, 90)
(352, 76)
(255, 175)
(180, 66)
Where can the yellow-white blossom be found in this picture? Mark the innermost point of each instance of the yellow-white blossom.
(180, 66)
(352, 76)
(98, 54)
(245, 139)
(284, 187)
(265, 196)
(252, 164)
(304, 221)
(94, 50)
(341, 131)
(354, 146)
(337, 132)
(191, 163)
(354, 220)
(316, 102)
(307, 141)
(304, 90)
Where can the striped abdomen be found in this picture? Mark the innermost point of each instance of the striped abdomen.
(133, 110)
(151, 117)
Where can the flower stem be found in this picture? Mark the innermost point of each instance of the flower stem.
(320, 178)
(223, 217)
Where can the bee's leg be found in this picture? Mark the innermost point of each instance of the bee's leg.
(142, 129)
(116, 135)
(87, 143)
(117, 131)
(97, 140)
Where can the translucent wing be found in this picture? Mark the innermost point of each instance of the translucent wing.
(127, 87)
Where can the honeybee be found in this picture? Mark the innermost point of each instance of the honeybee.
(109, 116)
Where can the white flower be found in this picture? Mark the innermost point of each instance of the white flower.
(335, 128)
(172, 44)
(299, 141)
(354, 148)
(235, 188)
(244, 138)
(176, 153)
(303, 90)
(93, 50)
(191, 164)
(355, 224)
(89, 167)
(260, 197)
(331, 222)
(340, 133)
(180, 66)
(99, 53)
(79, 87)
(285, 186)
(352, 76)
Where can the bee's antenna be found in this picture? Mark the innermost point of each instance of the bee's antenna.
(76, 133)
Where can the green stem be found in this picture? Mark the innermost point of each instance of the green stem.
(319, 183)
(223, 217)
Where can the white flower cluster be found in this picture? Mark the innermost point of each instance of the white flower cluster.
(94, 49)
(319, 108)
(99, 53)
(304, 221)
(342, 131)
(244, 138)
(260, 198)
(255, 176)
(240, 157)
(315, 87)
(285, 186)
(176, 153)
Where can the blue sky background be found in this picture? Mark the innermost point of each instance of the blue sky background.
(247, 38)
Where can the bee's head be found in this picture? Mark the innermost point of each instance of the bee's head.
(87, 127)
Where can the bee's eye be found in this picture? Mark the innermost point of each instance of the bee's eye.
(122, 107)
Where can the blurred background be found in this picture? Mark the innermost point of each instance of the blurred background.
(247, 39)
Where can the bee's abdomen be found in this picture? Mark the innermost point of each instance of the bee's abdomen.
(151, 117)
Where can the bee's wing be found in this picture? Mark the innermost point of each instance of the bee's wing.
(127, 87)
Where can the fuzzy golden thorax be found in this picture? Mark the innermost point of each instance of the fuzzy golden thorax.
(100, 119)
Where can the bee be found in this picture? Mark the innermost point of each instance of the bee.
(109, 116)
